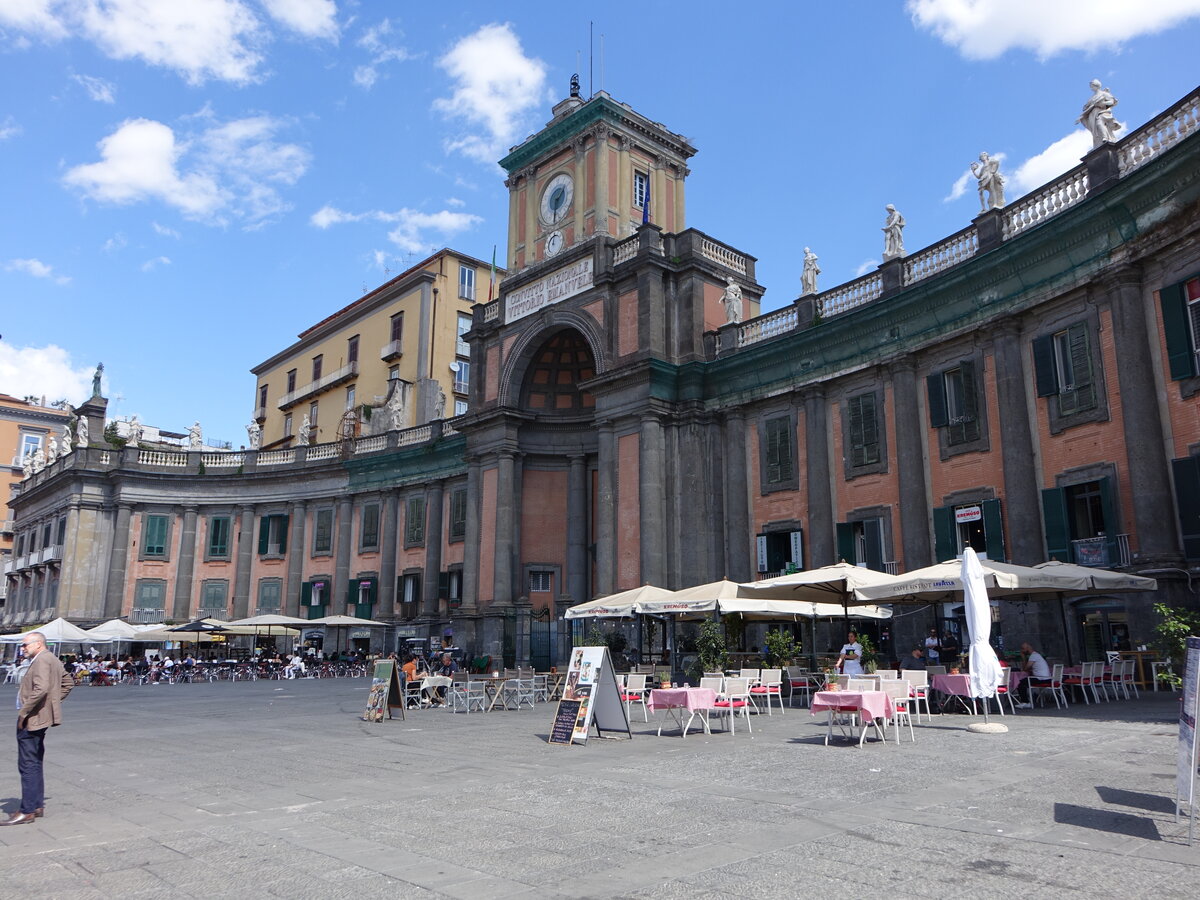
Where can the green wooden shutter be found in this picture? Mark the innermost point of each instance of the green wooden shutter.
(1111, 524)
(939, 416)
(283, 528)
(1058, 538)
(1043, 366)
(443, 585)
(873, 534)
(1187, 500)
(944, 542)
(993, 529)
(970, 390)
(845, 542)
(1181, 355)
(264, 534)
(306, 594)
(1082, 394)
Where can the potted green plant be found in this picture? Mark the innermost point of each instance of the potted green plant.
(781, 647)
(868, 654)
(710, 650)
(1174, 627)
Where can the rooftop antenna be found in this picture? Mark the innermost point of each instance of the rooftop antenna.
(591, 90)
(601, 60)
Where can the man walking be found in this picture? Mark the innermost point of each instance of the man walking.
(39, 705)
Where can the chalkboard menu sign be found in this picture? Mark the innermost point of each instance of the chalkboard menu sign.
(385, 693)
(564, 721)
(591, 689)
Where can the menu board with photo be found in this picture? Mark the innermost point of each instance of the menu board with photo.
(386, 693)
(591, 690)
(1185, 778)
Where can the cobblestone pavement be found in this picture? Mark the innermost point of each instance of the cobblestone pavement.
(277, 789)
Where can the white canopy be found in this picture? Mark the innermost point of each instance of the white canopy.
(269, 620)
(344, 621)
(732, 597)
(827, 584)
(944, 582)
(115, 629)
(59, 631)
(1100, 579)
(619, 605)
(986, 672)
(776, 609)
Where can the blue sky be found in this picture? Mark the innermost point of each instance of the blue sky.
(186, 186)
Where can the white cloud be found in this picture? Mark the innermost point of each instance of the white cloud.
(311, 18)
(164, 230)
(43, 371)
(455, 202)
(1063, 154)
(411, 225)
(496, 86)
(9, 128)
(867, 265)
(33, 16)
(379, 42)
(37, 269)
(985, 29)
(225, 172)
(151, 264)
(97, 88)
(116, 242)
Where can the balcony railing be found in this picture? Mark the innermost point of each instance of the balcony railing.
(6, 526)
(147, 616)
(1099, 553)
(332, 379)
(51, 553)
(390, 350)
(212, 612)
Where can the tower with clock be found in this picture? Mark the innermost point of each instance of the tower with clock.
(591, 171)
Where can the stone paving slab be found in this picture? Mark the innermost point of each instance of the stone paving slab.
(224, 790)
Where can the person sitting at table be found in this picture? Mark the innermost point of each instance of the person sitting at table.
(950, 650)
(295, 667)
(410, 667)
(915, 660)
(849, 661)
(1039, 674)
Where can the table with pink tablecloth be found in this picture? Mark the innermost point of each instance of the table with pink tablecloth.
(870, 705)
(697, 702)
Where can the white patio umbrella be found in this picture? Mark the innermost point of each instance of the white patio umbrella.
(986, 671)
(58, 631)
(827, 584)
(943, 581)
(345, 622)
(115, 629)
(766, 608)
(619, 605)
(1100, 579)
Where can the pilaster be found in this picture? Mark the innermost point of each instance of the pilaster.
(245, 559)
(185, 567)
(297, 521)
(737, 499)
(822, 544)
(118, 559)
(910, 466)
(434, 492)
(1021, 479)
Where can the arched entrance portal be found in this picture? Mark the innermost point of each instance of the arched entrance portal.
(555, 370)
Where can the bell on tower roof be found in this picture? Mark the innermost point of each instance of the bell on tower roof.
(575, 85)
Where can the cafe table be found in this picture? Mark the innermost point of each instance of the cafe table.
(867, 705)
(677, 700)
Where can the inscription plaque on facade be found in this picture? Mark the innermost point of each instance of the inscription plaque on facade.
(558, 285)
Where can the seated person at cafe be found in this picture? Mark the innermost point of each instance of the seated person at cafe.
(915, 660)
(1039, 674)
(949, 652)
(849, 661)
(410, 667)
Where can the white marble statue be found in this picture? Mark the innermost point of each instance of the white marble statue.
(27, 465)
(439, 405)
(81, 432)
(195, 437)
(64, 445)
(808, 277)
(893, 234)
(305, 432)
(52, 449)
(987, 173)
(395, 408)
(254, 433)
(1097, 114)
(39, 460)
(135, 432)
(732, 301)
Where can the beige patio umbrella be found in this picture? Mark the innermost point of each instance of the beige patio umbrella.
(943, 582)
(1101, 579)
(619, 605)
(345, 622)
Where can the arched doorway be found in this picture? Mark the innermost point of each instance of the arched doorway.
(556, 368)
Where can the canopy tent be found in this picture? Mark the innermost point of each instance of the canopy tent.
(619, 605)
(58, 631)
(115, 630)
(765, 608)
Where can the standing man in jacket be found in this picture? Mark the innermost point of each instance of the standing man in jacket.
(39, 705)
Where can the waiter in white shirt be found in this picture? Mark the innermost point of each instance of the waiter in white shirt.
(850, 659)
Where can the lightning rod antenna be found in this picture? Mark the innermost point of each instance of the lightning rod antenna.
(591, 48)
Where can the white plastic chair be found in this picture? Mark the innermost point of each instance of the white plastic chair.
(798, 683)
(901, 695)
(635, 691)
(888, 674)
(735, 701)
(918, 679)
(1055, 688)
(1129, 679)
(770, 685)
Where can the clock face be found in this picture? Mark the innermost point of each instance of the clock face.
(554, 243)
(556, 198)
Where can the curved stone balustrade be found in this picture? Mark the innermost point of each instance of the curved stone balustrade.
(1160, 134)
(371, 444)
(417, 435)
(491, 311)
(722, 255)
(161, 458)
(625, 251)
(850, 295)
(1045, 203)
(950, 252)
(762, 328)
(321, 451)
(276, 457)
(222, 460)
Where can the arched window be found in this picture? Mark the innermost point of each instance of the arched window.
(552, 381)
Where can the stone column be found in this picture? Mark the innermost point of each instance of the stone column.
(341, 556)
(1022, 501)
(822, 542)
(577, 569)
(245, 559)
(602, 204)
(470, 588)
(434, 492)
(295, 562)
(390, 538)
(186, 565)
(737, 499)
(606, 509)
(915, 515)
(502, 589)
(651, 500)
(1147, 453)
(118, 560)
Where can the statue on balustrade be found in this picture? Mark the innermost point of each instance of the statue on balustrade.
(893, 234)
(439, 405)
(135, 432)
(64, 445)
(39, 460)
(305, 433)
(808, 277)
(1097, 114)
(254, 433)
(732, 301)
(81, 432)
(195, 437)
(96, 379)
(52, 449)
(395, 407)
(987, 172)
(27, 465)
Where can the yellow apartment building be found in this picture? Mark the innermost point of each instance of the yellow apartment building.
(397, 352)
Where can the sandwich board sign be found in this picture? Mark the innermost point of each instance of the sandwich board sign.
(1185, 778)
(386, 693)
(590, 697)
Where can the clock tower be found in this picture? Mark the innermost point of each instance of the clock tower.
(591, 171)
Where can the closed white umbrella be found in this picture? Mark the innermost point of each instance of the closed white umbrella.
(986, 671)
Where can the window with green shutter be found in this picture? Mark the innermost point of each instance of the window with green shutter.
(458, 514)
(218, 537)
(369, 535)
(1187, 502)
(1180, 306)
(272, 535)
(778, 454)
(270, 595)
(414, 521)
(322, 532)
(864, 429)
(1064, 370)
(154, 537)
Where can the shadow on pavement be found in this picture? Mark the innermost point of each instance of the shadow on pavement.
(1136, 799)
(1121, 823)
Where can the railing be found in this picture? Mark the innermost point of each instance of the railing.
(415, 435)
(850, 295)
(22, 562)
(1045, 203)
(722, 255)
(625, 251)
(321, 451)
(212, 612)
(950, 252)
(1123, 556)
(371, 444)
(1091, 552)
(6, 527)
(53, 552)
(491, 311)
(266, 610)
(891, 567)
(390, 350)
(1142, 145)
(276, 457)
(160, 458)
(222, 460)
(448, 427)
(260, 412)
(146, 616)
(9, 566)
(293, 397)
(773, 324)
